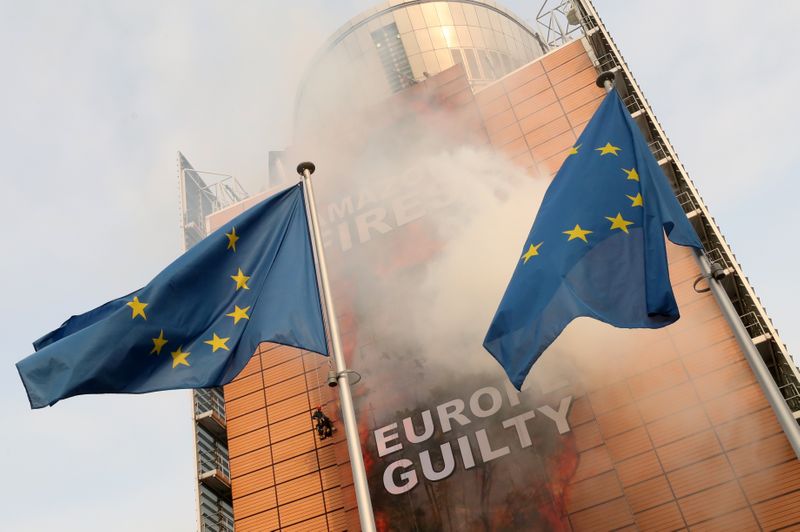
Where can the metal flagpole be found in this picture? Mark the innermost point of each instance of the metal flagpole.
(365, 514)
(773, 394)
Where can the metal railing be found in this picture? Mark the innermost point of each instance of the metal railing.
(210, 400)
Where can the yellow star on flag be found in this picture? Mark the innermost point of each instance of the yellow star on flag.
(138, 307)
(239, 314)
(633, 175)
(179, 357)
(637, 200)
(241, 280)
(577, 233)
(158, 343)
(232, 238)
(532, 252)
(619, 223)
(608, 148)
(217, 343)
(574, 150)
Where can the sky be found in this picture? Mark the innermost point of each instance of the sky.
(96, 99)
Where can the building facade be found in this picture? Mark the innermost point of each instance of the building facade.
(654, 429)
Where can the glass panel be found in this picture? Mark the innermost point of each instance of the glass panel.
(444, 58)
(475, 73)
(443, 10)
(464, 37)
(486, 65)
(351, 44)
(477, 37)
(424, 40)
(450, 37)
(402, 21)
(506, 63)
(469, 12)
(364, 40)
(410, 44)
(415, 14)
(458, 14)
(417, 66)
(501, 41)
(429, 12)
(437, 38)
(431, 64)
(497, 64)
(491, 42)
(483, 17)
(494, 20)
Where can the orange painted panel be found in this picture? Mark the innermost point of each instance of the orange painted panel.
(248, 442)
(714, 357)
(333, 498)
(593, 491)
(530, 106)
(243, 386)
(522, 76)
(657, 379)
(662, 518)
(284, 390)
(781, 512)
(700, 476)
(772, 482)
(587, 436)
(736, 404)
(689, 450)
(252, 461)
(291, 427)
(710, 503)
(257, 523)
(609, 516)
(292, 447)
(311, 525)
(253, 482)
(677, 426)
(553, 146)
(529, 90)
(648, 494)
(562, 55)
(274, 354)
(724, 380)
(247, 423)
(591, 463)
(580, 411)
(301, 510)
(254, 503)
(740, 520)
(579, 73)
(296, 467)
(543, 134)
(287, 408)
(618, 421)
(283, 371)
(639, 468)
(761, 454)
(244, 405)
(500, 121)
(506, 135)
(629, 444)
(299, 488)
(667, 402)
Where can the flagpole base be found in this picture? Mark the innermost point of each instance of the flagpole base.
(302, 167)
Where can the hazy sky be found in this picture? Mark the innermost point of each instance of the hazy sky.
(97, 97)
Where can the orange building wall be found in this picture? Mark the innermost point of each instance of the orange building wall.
(673, 431)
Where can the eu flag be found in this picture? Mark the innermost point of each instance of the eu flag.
(597, 246)
(199, 321)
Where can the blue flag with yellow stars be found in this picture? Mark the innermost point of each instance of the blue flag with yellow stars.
(196, 324)
(597, 246)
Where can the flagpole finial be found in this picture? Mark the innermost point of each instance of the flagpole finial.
(307, 165)
(605, 81)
